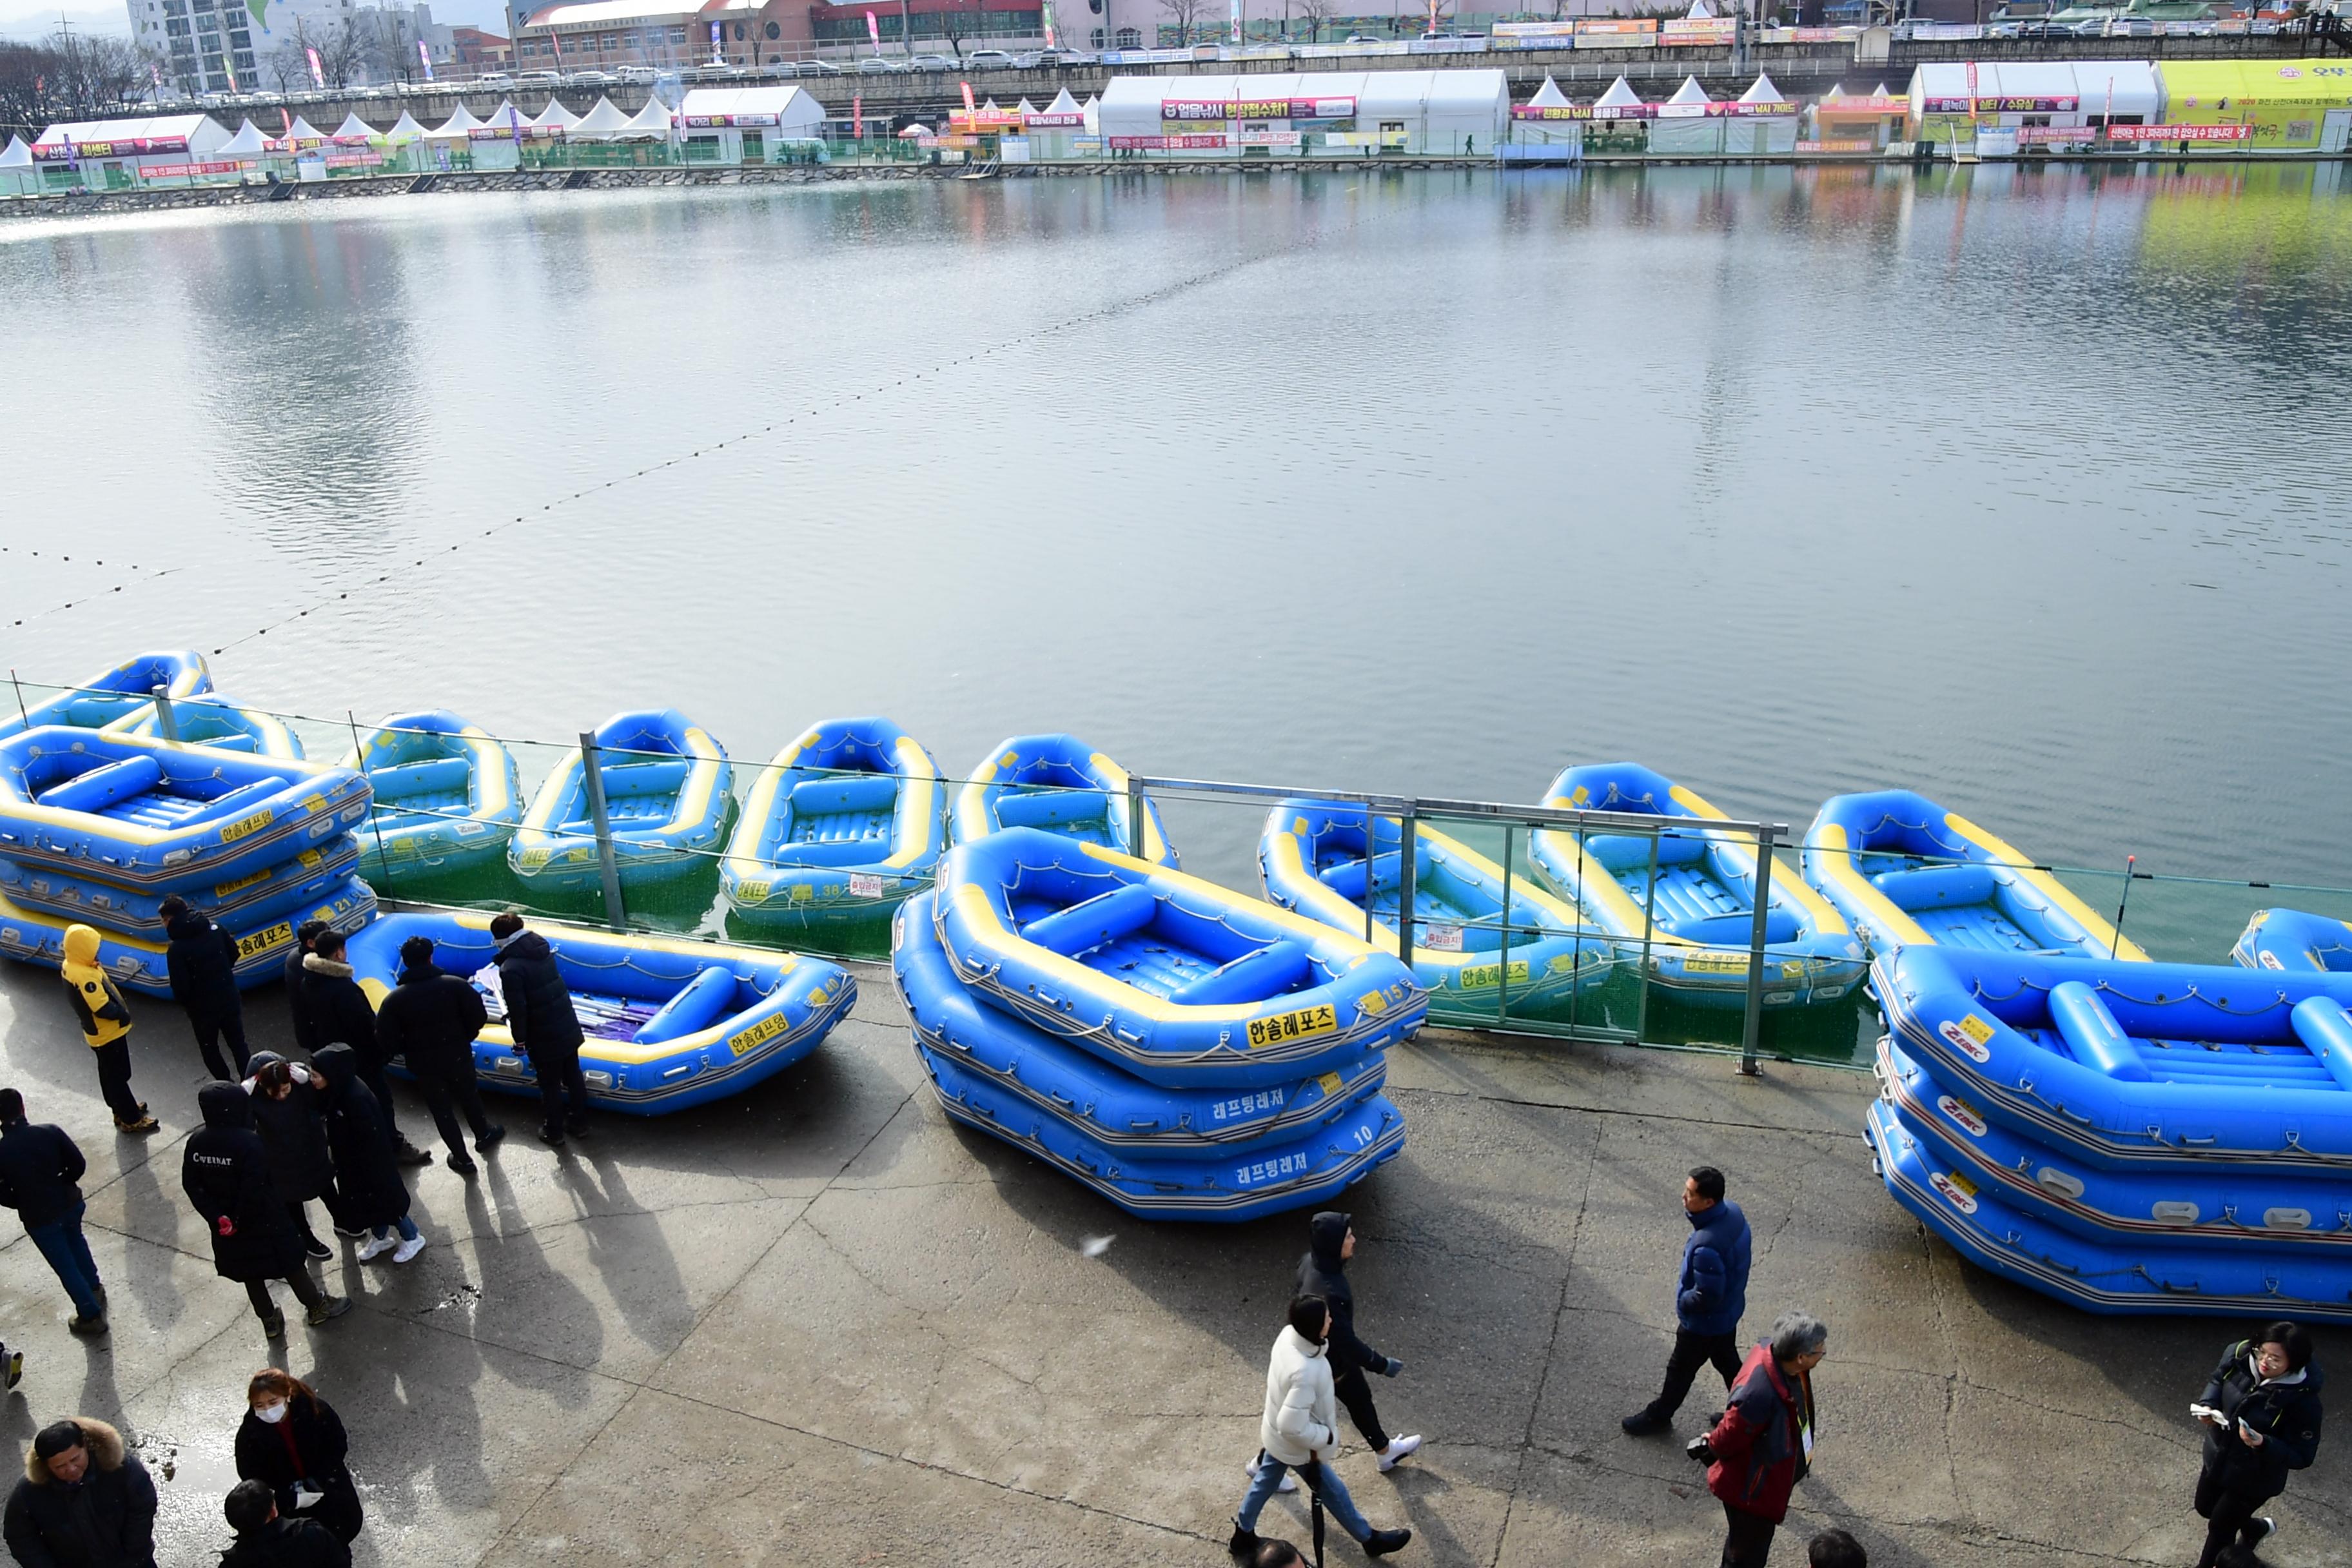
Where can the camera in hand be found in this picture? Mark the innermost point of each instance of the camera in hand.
(1697, 1448)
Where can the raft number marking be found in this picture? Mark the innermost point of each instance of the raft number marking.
(262, 940)
(246, 826)
(767, 1028)
(1967, 1037)
(1306, 1021)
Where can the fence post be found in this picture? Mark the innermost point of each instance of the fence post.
(1135, 816)
(1405, 835)
(167, 723)
(27, 718)
(1648, 925)
(1754, 1017)
(616, 915)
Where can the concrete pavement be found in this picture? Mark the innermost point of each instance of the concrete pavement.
(822, 1324)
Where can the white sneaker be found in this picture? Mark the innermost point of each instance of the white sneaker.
(1289, 1482)
(409, 1248)
(375, 1247)
(1398, 1450)
(2270, 1527)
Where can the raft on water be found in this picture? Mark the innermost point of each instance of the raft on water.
(1061, 784)
(1686, 898)
(669, 1023)
(114, 694)
(1314, 857)
(1905, 871)
(446, 795)
(2294, 940)
(666, 796)
(138, 962)
(847, 823)
(218, 722)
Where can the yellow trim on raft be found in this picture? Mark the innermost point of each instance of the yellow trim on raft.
(490, 771)
(1837, 863)
(918, 799)
(974, 820)
(1288, 853)
(307, 772)
(2050, 887)
(692, 803)
(1787, 879)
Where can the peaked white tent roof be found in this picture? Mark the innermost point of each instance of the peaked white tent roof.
(1024, 107)
(602, 123)
(1881, 92)
(301, 129)
(1093, 111)
(457, 125)
(791, 111)
(505, 116)
(1700, 11)
(404, 129)
(652, 120)
(1064, 104)
(1690, 92)
(554, 116)
(1761, 90)
(248, 141)
(201, 132)
(1621, 95)
(16, 155)
(1548, 95)
(355, 129)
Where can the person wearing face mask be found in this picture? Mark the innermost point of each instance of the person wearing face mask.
(86, 1501)
(268, 1539)
(1298, 1431)
(293, 1442)
(2260, 1414)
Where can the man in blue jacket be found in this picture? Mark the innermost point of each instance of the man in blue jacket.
(1707, 1302)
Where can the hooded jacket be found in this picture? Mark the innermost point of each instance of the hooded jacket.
(224, 1171)
(202, 961)
(40, 1171)
(298, 1006)
(2284, 1410)
(309, 1444)
(1323, 1272)
(1759, 1440)
(106, 1521)
(1712, 1294)
(367, 1176)
(539, 1004)
(429, 1021)
(293, 1135)
(295, 1542)
(1302, 1414)
(339, 1009)
(98, 1002)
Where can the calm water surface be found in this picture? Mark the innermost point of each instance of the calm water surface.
(2025, 490)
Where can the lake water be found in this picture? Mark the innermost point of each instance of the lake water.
(2024, 489)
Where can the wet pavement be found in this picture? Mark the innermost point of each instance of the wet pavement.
(820, 1323)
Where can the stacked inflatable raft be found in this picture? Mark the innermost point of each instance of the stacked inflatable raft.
(98, 826)
(1185, 1051)
(2131, 1137)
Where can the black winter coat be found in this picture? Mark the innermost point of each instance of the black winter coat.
(106, 1521)
(340, 1014)
(539, 1004)
(429, 1021)
(319, 1458)
(40, 1171)
(294, 1136)
(1323, 1272)
(298, 1003)
(296, 1542)
(202, 960)
(2285, 1414)
(367, 1176)
(225, 1173)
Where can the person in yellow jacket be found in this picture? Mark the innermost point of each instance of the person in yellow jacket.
(105, 1027)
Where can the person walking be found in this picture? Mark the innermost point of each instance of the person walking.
(1709, 1298)
(202, 962)
(105, 1027)
(367, 1170)
(292, 1442)
(429, 1021)
(545, 1028)
(1762, 1445)
(265, 1539)
(85, 1501)
(297, 1003)
(225, 1173)
(1298, 1431)
(1331, 1242)
(40, 1178)
(2260, 1414)
(289, 1110)
(342, 1014)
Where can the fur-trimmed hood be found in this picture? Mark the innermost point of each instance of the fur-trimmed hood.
(104, 1443)
(317, 965)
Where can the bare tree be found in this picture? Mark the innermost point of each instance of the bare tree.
(1190, 17)
(24, 73)
(959, 21)
(1315, 13)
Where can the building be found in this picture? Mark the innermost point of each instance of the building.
(473, 52)
(1311, 114)
(576, 35)
(746, 125)
(936, 26)
(223, 46)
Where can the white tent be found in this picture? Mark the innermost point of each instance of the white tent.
(300, 131)
(914, 128)
(504, 119)
(403, 130)
(1064, 104)
(782, 112)
(456, 128)
(18, 176)
(356, 132)
(1621, 95)
(1690, 92)
(651, 123)
(554, 120)
(2062, 92)
(19, 156)
(1441, 110)
(1762, 91)
(1760, 131)
(1700, 11)
(1025, 107)
(1682, 124)
(602, 124)
(1093, 111)
(1548, 95)
(248, 142)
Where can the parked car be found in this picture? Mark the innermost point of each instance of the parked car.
(874, 65)
(2130, 27)
(539, 79)
(639, 73)
(821, 68)
(932, 63)
(591, 78)
(1051, 60)
(988, 61)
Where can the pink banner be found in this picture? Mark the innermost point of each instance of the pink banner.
(2000, 105)
(2179, 132)
(128, 147)
(1041, 122)
(1193, 143)
(1257, 108)
(182, 171)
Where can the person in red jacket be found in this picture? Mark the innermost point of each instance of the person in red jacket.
(1763, 1443)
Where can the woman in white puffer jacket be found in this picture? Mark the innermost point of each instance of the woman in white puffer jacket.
(1299, 1432)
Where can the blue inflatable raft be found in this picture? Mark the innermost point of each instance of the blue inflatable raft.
(1904, 870)
(1174, 979)
(446, 795)
(670, 1023)
(666, 794)
(844, 824)
(1312, 858)
(1113, 1108)
(2137, 1066)
(254, 899)
(163, 817)
(2296, 942)
(1063, 785)
(1687, 896)
(114, 694)
(32, 936)
(2099, 1277)
(218, 722)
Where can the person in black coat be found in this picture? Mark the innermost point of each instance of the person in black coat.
(290, 1111)
(429, 1022)
(224, 1171)
(202, 961)
(1331, 1242)
(293, 1442)
(85, 1501)
(40, 1178)
(340, 1015)
(545, 1028)
(2261, 1413)
(266, 1540)
(298, 1003)
(367, 1173)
